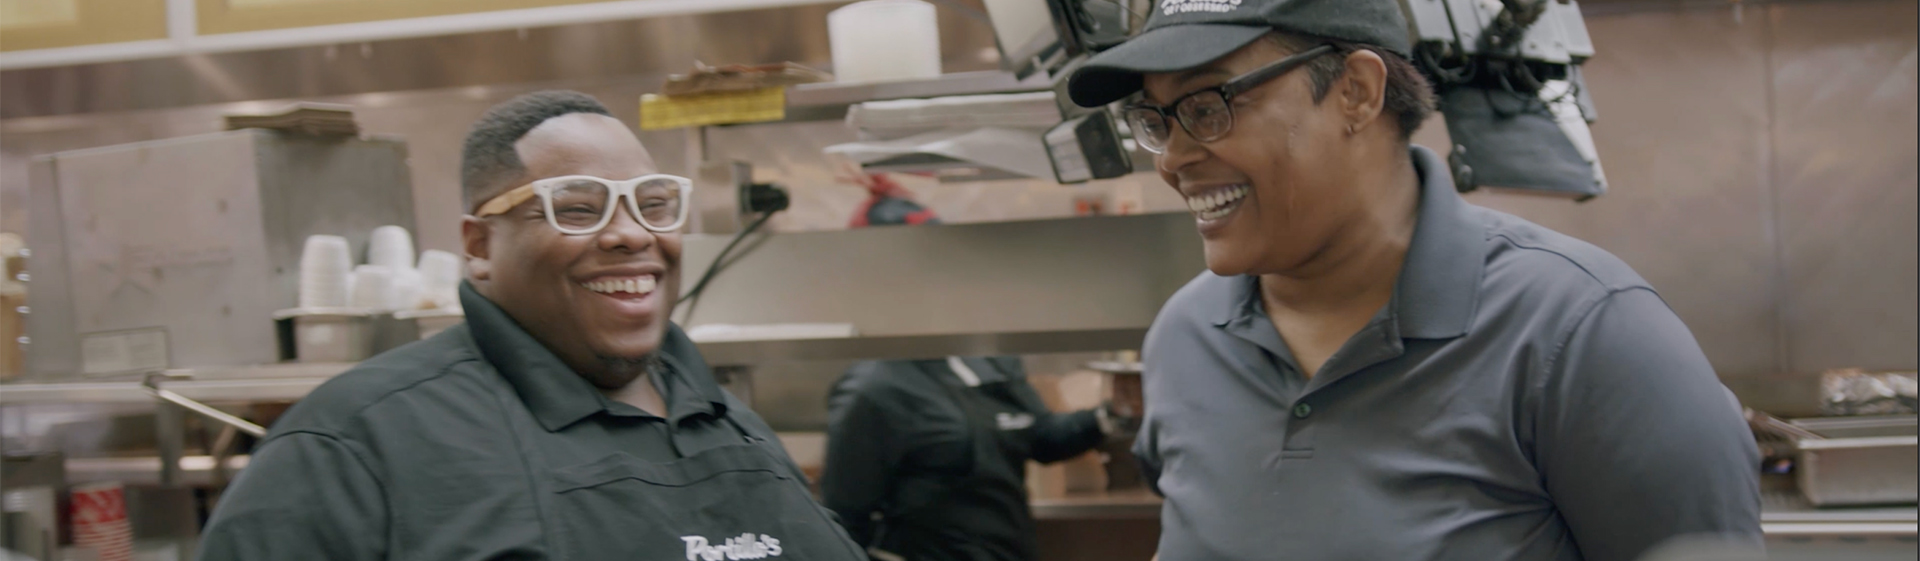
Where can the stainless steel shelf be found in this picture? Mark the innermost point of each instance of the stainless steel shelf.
(195, 471)
(1839, 529)
(1140, 504)
(274, 382)
(1786, 513)
(288, 382)
(827, 101)
(1885, 521)
(738, 353)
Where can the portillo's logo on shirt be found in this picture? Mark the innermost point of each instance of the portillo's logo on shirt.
(1013, 421)
(1171, 7)
(747, 546)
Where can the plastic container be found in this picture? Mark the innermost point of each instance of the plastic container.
(884, 40)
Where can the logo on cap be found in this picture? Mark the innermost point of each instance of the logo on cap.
(1171, 7)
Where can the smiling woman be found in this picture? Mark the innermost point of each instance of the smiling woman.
(1366, 346)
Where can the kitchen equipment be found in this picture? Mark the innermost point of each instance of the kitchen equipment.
(1846, 461)
(884, 40)
(30, 503)
(1764, 423)
(882, 119)
(1852, 427)
(1859, 460)
(391, 247)
(372, 287)
(199, 237)
(1858, 471)
(1023, 30)
(326, 267)
(431, 322)
(330, 334)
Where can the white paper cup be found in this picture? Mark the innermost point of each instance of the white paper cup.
(405, 293)
(440, 274)
(372, 287)
(391, 247)
(325, 266)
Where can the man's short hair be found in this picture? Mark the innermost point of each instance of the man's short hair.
(1409, 96)
(489, 158)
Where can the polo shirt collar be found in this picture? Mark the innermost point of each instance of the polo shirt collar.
(557, 396)
(686, 367)
(1439, 285)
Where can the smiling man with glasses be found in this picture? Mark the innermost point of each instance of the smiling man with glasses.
(1373, 368)
(567, 419)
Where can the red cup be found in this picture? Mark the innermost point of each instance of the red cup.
(100, 521)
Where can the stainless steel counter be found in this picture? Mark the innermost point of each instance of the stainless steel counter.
(1784, 515)
(288, 382)
(924, 346)
(1136, 504)
(275, 382)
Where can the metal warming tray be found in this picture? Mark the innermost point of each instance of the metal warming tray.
(1858, 460)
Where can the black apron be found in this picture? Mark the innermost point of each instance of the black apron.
(982, 515)
(727, 503)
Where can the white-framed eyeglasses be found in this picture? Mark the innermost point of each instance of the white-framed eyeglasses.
(583, 204)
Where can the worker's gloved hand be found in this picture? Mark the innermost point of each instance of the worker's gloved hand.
(1119, 421)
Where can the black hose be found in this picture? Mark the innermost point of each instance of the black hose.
(719, 262)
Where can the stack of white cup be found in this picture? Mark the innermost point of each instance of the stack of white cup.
(406, 293)
(392, 247)
(440, 278)
(372, 287)
(326, 266)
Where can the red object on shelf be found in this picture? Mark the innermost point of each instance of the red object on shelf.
(100, 521)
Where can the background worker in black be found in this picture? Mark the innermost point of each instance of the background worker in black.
(926, 459)
(566, 419)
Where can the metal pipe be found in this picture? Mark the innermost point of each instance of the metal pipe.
(170, 426)
(221, 450)
(152, 387)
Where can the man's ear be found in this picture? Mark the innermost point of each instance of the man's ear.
(1363, 89)
(475, 235)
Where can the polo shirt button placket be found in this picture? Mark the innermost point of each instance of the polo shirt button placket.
(1299, 442)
